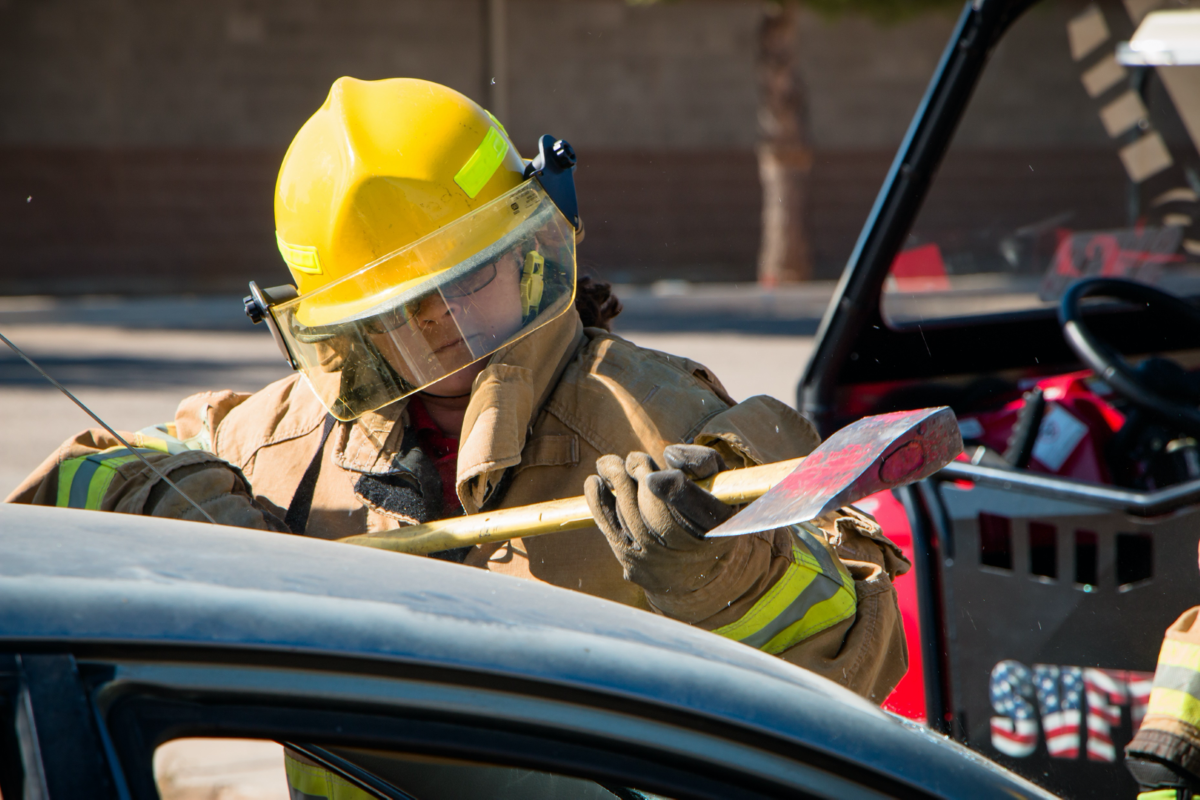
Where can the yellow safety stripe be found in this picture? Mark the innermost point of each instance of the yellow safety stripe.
(308, 781)
(1175, 704)
(1160, 794)
(1175, 653)
(83, 482)
(778, 598)
(482, 164)
(300, 257)
(98, 486)
(813, 594)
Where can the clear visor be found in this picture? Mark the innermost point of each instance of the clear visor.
(417, 315)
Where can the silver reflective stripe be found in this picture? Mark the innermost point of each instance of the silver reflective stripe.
(820, 589)
(1178, 678)
(816, 548)
(87, 470)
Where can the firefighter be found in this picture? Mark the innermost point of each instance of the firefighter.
(1164, 755)
(443, 367)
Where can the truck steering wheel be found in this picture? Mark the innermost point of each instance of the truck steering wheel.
(1108, 365)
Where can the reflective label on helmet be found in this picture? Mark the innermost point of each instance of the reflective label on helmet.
(482, 164)
(302, 258)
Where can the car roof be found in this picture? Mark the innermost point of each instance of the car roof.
(69, 576)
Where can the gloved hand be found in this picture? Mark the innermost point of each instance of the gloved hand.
(655, 520)
(216, 487)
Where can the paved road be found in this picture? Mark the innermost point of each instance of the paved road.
(132, 360)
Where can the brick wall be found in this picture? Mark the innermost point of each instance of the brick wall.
(146, 220)
(148, 134)
(137, 220)
(167, 220)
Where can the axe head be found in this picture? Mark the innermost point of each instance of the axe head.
(865, 457)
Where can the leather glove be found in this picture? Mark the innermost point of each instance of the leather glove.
(655, 519)
(216, 487)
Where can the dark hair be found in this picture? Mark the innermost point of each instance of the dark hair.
(595, 302)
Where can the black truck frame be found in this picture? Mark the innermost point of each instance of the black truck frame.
(1026, 581)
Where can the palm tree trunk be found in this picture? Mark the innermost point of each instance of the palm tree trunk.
(784, 158)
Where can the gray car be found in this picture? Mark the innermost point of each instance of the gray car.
(407, 677)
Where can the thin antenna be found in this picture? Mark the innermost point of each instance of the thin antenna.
(104, 425)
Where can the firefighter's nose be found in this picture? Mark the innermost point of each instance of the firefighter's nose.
(434, 309)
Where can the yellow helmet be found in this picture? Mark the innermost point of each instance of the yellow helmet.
(400, 198)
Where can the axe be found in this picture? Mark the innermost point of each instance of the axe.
(865, 457)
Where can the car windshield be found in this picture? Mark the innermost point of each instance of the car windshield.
(1066, 165)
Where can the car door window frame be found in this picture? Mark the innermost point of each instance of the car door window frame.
(612, 743)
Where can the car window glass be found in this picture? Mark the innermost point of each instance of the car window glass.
(1066, 165)
(432, 778)
(248, 769)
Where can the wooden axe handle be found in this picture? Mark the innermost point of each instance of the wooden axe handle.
(735, 487)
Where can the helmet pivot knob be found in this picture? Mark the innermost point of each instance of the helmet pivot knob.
(564, 154)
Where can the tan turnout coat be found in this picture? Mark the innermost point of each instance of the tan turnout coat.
(544, 410)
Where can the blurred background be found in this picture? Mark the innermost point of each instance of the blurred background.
(140, 141)
(730, 151)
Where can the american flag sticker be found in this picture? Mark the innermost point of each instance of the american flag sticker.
(1139, 685)
(1015, 732)
(1075, 709)
(1105, 696)
(1060, 701)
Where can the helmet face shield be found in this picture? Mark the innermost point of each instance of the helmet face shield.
(417, 315)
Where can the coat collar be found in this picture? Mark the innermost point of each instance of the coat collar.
(504, 399)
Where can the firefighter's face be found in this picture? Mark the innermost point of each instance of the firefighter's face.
(452, 326)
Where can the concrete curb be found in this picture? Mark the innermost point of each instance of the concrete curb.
(665, 306)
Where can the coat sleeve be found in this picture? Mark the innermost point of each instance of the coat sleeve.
(41, 487)
(1166, 747)
(818, 595)
(867, 653)
(112, 477)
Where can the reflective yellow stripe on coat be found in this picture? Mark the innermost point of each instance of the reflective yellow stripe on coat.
(815, 593)
(1176, 691)
(83, 481)
(307, 781)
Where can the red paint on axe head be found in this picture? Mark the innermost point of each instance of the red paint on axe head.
(902, 462)
(871, 455)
